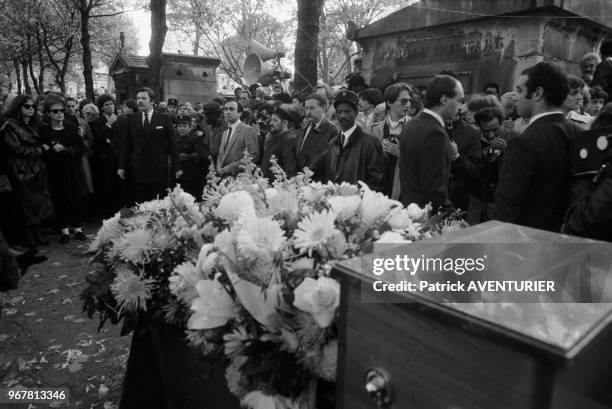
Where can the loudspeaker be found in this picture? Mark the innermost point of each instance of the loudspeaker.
(264, 53)
(257, 68)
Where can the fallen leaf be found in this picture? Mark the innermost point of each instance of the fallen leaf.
(3, 337)
(53, 291)
(62, 276)
(36, 275)
(16, 300)
(79, 321)
(39, 320)
(83, 343)
(69, 317)
(109, 405)
(43, 360)
(67, 301)
(75, 367)
(56, 346)
(102, 391)
(30, 314)
(10, 311)
(22, 364)
(56, 264)
(41, 298)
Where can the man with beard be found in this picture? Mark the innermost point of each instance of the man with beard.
(426, 150)
(354, 155)
(148, 140)
(280, 144)
(533, 182)
(313, 144)
(213, 127)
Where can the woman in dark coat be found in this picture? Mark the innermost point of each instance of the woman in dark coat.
(25, 167)
(63, 159)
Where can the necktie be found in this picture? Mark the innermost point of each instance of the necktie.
(146, 121)
(342, 139)
(308, 129)
(227, 138)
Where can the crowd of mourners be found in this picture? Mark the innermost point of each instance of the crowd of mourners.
(493, 155)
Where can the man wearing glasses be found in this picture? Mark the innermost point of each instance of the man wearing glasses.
(235, 140)
(397, 100)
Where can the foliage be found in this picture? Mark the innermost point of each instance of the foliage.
(222, 29)
(335, 50)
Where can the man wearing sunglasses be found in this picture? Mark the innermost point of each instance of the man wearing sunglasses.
(398, 103)
(148, 140)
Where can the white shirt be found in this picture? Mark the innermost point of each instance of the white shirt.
(538, 116)
(150, 116)
(347, 134)
(395, 128)
(435, 115)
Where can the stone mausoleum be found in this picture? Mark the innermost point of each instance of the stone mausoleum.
(481, 40)
(184, 77)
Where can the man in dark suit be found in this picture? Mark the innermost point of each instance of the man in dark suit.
(354, 155)
(235, 140)
(533, 183)
(148, 140)
(426, 151)
(313, 143)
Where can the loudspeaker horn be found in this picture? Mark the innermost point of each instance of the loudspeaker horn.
(256, 70)
(264, 53)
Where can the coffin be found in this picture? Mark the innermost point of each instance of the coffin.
(424, 354)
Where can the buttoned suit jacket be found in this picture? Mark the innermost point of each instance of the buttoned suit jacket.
(145, 151)
(231, 154)
(316, 146)
(425, 163)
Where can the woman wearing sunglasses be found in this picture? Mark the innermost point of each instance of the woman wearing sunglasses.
(25, 168)
(65, 148)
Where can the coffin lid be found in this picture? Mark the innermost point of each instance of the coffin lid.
(569, 327)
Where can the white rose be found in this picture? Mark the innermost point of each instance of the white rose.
(319, 297)
(415, 212)
(399, 219)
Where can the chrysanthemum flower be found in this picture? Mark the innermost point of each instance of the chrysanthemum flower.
(212, 308)
(131, 291)
(134, 245)
(260, 237)
(235, 341)
(344, 206)
(314, 231)
(234, 204)
(110, 230)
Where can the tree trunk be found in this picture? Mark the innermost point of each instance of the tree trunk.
(198, 37)
(158, 36)
(17, 76)
(41, 63)
(306, 45)
(34, 79)
(86, 44)
(26, 83)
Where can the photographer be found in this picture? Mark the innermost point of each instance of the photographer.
(494, 140)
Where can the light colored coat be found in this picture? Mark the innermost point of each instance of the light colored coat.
(231, 153)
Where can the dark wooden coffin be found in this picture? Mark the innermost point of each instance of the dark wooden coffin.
(472, 356)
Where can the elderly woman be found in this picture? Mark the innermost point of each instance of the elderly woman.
(25, 167)
(65, 148)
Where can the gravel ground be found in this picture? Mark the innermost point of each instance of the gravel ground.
(47, 342)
